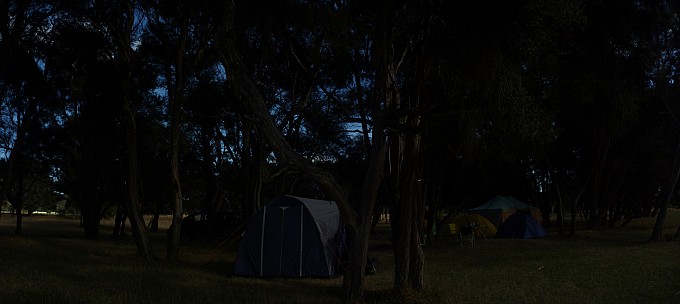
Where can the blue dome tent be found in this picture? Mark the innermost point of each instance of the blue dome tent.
(291, 237)
(521, 225)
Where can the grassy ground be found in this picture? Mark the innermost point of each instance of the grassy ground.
(52, 264)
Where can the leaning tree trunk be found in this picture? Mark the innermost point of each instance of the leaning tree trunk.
(247, 93)
(257, 110)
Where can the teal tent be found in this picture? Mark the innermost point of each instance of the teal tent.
(499, 208)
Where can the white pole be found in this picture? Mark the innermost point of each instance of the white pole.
(301, 234)
(264, 218)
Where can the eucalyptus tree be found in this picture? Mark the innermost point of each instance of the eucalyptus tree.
(119, 22)
(665, 121)
(84, 131)
(180, 35)
(24, 88)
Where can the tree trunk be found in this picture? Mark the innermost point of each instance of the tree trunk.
(139, 233)
(577, 199)
(90, 226)
(560, 209)
(120, 18)
(409, 257)
(19, 203)
(252, 171)
(175, 227)
(119, 222)
(354, 279)
(668, 194)
(402, 248)
(153, 224)
(14, 174)
(417, 257)
(174, 94)
(90, 208)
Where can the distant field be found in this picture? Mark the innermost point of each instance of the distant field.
(51, 263)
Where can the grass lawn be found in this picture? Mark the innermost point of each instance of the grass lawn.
(51, 263)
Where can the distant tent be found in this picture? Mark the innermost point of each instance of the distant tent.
(521, 226)
(499, 208)
(290, 237)
(487, 228)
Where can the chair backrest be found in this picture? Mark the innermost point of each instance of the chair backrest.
(466, 230)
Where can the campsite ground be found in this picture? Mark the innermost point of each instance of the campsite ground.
(51, 263)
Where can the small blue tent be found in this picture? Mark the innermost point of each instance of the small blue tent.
(521, 225)
(290, 237)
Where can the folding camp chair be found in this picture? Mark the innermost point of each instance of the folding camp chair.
(467, 236)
